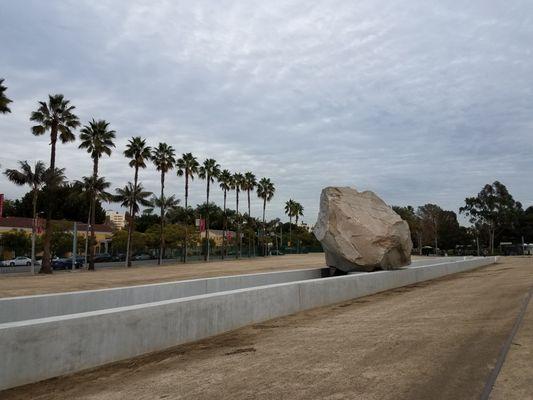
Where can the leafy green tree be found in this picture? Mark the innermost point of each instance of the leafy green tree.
(526, 225)
(97, 139)
(120, 241)
(409, 215)
(16, 241)
(450, 233)
(35, 178)
(494, 207)
(71, 202)
(163, 157)
(4, 101)
(11, 208)
(56, 116)
(145, 220)
(187, 166)
(138, 153)
(429, 215)
(265, 191)
(209, 171)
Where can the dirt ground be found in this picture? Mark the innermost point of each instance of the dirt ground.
(13, 285)
(516, 377)
(434, 340)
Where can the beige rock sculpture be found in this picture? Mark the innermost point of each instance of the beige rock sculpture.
(359, 232)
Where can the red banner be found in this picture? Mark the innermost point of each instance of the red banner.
(202, 225)
(1, 205)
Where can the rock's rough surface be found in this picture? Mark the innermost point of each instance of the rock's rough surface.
(359, 232)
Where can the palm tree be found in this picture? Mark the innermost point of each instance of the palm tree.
(138, 152)
(265, 191)
(163, 157)
(187, 166)
(168, 204)
(225, 183)
(4, 101)
(209, 171)
(132, 197)
(56, 116)
(98, 187)
(35, 179)
(249, 184)
(97, 139)
(236, 184)
(298, 211)
(165, 205)
(290, 210)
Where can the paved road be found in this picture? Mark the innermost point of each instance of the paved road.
(434, 340)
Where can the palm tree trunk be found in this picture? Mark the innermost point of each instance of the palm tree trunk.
(249, 219)
(238, 225)
(206, 257)
(186, 215)
(162, 222)
(132, 218)
(264, 229)
(93, 215)
(290, 230)
(87, 233)
(225, 227)
(46, 267)
(33, 229)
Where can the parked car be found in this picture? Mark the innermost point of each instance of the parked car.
(66, 263)
(140, 257)
(119, 257)
(17, 262)
(102, 257)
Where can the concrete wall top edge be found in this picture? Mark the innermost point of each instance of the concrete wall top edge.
(44, 295)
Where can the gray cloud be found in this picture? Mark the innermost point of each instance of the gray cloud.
(420, 101)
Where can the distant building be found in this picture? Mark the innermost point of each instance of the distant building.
(103, 233)
(116, 219)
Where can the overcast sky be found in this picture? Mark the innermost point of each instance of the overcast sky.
(420, 101)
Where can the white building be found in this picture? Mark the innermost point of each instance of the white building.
(117, 220)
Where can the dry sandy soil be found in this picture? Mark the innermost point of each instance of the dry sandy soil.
(119, 276)
(435, 340)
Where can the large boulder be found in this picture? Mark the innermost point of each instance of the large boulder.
(359, 232)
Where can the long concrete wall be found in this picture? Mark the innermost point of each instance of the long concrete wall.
(38, 349)
(48, 305)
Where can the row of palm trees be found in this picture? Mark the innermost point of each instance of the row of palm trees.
(57, 118)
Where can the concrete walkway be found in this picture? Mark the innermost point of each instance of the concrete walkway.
(435, 340)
